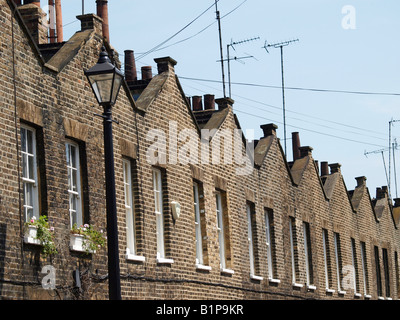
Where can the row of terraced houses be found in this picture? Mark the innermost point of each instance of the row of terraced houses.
(202, 212)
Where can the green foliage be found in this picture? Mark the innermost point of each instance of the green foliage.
(45, 235)
(95, 239)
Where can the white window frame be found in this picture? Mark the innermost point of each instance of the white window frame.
(159, 213)
(220, 229)
(29, 179)
(307, 250)
(324, 242)
(197, 223)
(75, 193)
(130, 213)
(364, 267)
(338, 271)
(353, 259)
(294, 283)
(250, 239)
(269, 244)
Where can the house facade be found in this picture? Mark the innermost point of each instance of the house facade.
(202, 212)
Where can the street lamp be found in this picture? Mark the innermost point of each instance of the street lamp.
(106, 80)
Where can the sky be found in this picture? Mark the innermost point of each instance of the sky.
(342, 76)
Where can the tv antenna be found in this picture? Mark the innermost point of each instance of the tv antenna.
(232, 44)
(393, 146)
(281, 45)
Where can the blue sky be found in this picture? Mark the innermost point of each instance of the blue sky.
(340, 127)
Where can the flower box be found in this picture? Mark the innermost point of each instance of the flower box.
(31, 235)
(78, 242)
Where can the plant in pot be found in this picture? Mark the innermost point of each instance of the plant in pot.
(86, 238)
(38, 231)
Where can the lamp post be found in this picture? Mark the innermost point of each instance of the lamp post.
(106, 80)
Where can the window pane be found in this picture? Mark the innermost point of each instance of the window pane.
(30, 141)
(31, 168)
(23, 139)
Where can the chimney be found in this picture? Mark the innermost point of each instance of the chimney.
(296, 145)
(59, 21)
(269, 129)
(102, 12)
(224, 103)
(209, 102)
(381, 192)
(324, 168)
(130, 66)
(52, 24)
(90, 21)
(165, 64)
(305, 151)
(335, 167)
(396, 202)
(197, 102)
(361, 181)
(35, 20)
(147, 73)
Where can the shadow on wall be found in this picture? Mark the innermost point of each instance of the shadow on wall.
(3, 230)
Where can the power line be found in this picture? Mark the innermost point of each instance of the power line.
(174, 35)
(307, 115)
(299, 88)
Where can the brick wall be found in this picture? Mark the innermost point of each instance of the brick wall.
(54, 97)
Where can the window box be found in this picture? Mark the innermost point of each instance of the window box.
(78, 242)
(31, 235)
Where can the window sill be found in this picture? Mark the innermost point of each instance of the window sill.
(388, 298)
(341, 292)
(257, 278)
(227, 271)
(202, 267)
(367, 296)
(30, 240)
(381, 298)
(357, 295)
(272, 280)
(134, 257)
(311, 287)
(327, 290)
(165, 261)
(297, 285)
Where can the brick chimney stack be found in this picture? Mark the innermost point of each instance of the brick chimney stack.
(130, 66)
(324, 168)
(269, 129)
(102, 12)
(296, 145)
(35, 2)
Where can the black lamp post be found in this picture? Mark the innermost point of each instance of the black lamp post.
(106, 80)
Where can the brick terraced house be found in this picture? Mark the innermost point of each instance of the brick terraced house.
(202, 212)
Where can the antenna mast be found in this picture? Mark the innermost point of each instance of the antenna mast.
(232, 44)
(281, 45)
(220, 47)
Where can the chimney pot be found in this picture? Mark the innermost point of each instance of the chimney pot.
(197, 102)
(296, 145)
(59, 22)
(305, 151)
(102, 12)
(269, 129)
(224, 103)
(165, 64)
(147, 73)
(396, 202)
(335, 167)
(324, 168)
(130, 66)
(361, 181)
(209, 102)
